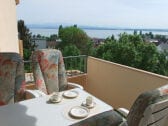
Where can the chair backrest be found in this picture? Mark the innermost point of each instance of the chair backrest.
(12, 81)
(49, 70)
(150, 108)
(155, 114)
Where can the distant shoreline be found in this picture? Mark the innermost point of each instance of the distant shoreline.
(125, 29)
(98, 32)
(99, 28)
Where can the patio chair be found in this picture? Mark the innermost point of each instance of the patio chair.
(149, 109)
(49, 72)
(11, 78)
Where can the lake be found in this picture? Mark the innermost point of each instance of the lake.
(94, 33)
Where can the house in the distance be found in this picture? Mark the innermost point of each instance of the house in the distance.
(53, 44)
(40, 43)
(163, 46)
(97, 41)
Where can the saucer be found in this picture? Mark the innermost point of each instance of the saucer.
(89, 106)
(70, 94)
(54, 100)
(79, 112)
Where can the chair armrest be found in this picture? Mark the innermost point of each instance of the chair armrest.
(124, 123)
(34, 94)
(73, 85)
(123, 111)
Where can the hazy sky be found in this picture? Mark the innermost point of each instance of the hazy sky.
(109, 13)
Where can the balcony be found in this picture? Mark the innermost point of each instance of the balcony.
(116, 84)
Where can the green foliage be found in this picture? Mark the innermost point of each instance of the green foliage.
(130, 50)
(25, 35)
(73, 63)
(74, 42)
(90, 50)
(27, 54)
(60, 31)
(161, 38)
(39, 36)
(52, 37)
(74, 36)
(163, 64)
(71, 50)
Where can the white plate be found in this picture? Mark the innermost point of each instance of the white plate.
(89, 106)
(79, 112)
(70, 94)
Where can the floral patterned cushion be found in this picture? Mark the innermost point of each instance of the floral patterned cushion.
(49, 70)
(143, 101)
(12, 82)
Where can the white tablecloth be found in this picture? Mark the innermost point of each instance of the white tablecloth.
(37, 112)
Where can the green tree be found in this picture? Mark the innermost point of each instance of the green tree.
(112, 37)
(161, 38)
(52, 37)
(151, 35)
(163, 64)
(60, 31)
(75, 63)
(130, 50)
(38, 36)
(75, 36)
(135, 32)
(25, 35)
(71, 50)
(75, 25)
(140, 32)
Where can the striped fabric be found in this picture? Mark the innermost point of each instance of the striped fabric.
(150, 108)
(155, 114)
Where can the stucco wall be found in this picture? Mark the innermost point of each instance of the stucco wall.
(8, 27)
(119, 85)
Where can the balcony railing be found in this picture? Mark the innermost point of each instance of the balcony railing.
(74, 65)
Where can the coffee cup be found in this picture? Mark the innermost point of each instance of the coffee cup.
(55, 96)
(89, 100)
